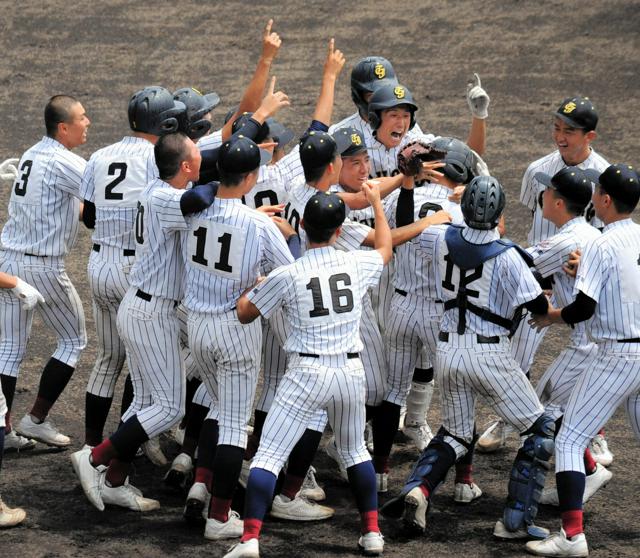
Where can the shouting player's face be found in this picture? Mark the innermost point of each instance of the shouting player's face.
(355, 170)
(76, 127)
(191, 165)
(394, 125)
(573, 143)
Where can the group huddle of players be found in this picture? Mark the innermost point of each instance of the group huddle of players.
(352, 273)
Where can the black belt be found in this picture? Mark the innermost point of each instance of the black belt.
(33, 255)
(444, 336)
(125, 252)
(632, 340)
(143, 295)
(311, 355)
(405, 293)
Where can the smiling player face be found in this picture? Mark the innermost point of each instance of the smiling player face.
(355, 170)
(573, 143)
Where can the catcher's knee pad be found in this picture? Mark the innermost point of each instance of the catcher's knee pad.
(528, 474)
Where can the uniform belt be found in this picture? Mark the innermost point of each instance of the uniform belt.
(632, 340)
(125, 252)
(405, 293)
(33, 255)
(311, 355)
(444, 336)
(147, 297)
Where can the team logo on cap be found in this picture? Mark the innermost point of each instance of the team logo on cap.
(569, 107)
(356, 139)
(399, 92)
(379, 71)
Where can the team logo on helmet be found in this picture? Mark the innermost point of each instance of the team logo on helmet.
(380, 71)
(399, 92)
(569, 107)
(356, 139)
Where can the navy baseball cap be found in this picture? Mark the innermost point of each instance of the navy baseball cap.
(578, 112)
(241, 154)
(349, 141)
(280, 133)
(570, 182)
(323, 211)
(317, 149)
(620, 181)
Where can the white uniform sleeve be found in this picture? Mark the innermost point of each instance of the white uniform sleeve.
(213, 140)
(166, 202)
(427, 241)
(275, 250)
(529, 189)
(269, 295)
(87, 187)
(516, 279)
(592, 271)
(70, 169)
(352, 236)
(370, 267)
(290, 169)
(550, 255)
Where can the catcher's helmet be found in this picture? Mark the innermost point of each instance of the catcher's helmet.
(367, 75)
(192, 122)
(460, 161)
(153, 110)
(389, 96)
(482, 203)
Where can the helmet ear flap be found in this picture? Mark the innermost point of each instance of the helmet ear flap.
(374, 119)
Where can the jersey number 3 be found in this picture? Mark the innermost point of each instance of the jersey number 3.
(20, 188)
(341, 298)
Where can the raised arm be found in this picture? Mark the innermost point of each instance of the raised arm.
(333, 65)
(382, 232)
(478, 102)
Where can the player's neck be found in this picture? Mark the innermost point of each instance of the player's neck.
(179, 182)
(228, 192)
(149, 137)
(575, 160)
(563, 219)
(614, 217)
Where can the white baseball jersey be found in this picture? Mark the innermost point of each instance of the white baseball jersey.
(114, 180)
(531, 192)
(159, 266)
(501, 284)
(44, 207)
(210, 141)
(227, 247)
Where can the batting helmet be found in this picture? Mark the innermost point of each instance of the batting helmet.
(153, 110)
(192, 122)
(367, 75)
(482, 203)
(460, 161)
(390, 96)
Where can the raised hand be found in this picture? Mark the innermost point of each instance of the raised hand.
(335, 60)
(270, 42)
(477, 98)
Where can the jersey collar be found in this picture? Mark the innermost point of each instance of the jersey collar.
(619, 224)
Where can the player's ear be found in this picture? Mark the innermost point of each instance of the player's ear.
(338, 231)
(592, 135)
(302, 223)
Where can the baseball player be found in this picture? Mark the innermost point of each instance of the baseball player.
(28, 297)
(321, 298)
(227, 247)
(473, 357)
(44, 211)
(111, 185)
(574, 130)
(607, 290)
(148, 325)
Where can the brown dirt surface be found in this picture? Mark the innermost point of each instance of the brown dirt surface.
(530, 55)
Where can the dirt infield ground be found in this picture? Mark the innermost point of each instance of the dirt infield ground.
(530, 56)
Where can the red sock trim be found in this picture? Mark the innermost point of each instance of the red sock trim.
(601, 432)
(103, 453)
(381, 463)
(464, 473)
(425, 491)
(252, 528)
(572, 522)
(291, 486)
(369, 522)
(589, 462)
(219, 509)
(117, 472)
(205, 476)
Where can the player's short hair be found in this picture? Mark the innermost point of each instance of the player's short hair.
(318, 236)
(620, 205)
(573, 207)
(312, 175)
(56, 111)
(170, 150)
(232, 179)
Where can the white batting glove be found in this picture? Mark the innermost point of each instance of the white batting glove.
(477, 99)
(29, 296)
(8, 169)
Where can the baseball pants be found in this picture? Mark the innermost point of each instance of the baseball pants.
(525, 343)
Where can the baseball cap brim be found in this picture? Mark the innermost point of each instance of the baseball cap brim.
(343, 142)
(593, 175)
(265, 156)
(280, 133)
(569, 120)
(211, 100)
(543, 178)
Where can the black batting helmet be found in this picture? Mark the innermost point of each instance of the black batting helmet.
(389, 96)
(153, 110)
(367, 75)
(482, 203)
(460, 161)
(192, 122)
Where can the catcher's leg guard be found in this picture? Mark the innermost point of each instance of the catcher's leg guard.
(430, 470)
(528, 475)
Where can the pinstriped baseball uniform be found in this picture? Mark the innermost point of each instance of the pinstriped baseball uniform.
(227, 247)
(113, 181)
(526, 340)
(414, 319)
(41, 229)
(465, 366)
(548, 257)
(3, 409)
(609, 273)
(210, 141)
(321, 296)
(147, 319)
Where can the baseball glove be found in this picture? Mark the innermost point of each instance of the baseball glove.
(415, 153)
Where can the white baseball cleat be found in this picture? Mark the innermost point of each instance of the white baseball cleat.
(151, 448)
(559, 545)
(299, 509)
(230, 529)
(420, 435)
(246, 549)
(44, 432)
(14, 442)
(91, 479)
(126, 496)
(180, 472)
(592, 483)
(332, 451)
(371, 543)
(196, 507)
(10, 517)
(415, 510)
(382, 482)
(466, 493)
(500, 531)
(311, 490)
(494, 437)
(600, 450)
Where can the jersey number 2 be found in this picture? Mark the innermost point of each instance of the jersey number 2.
(341, 299)
(21, 184)
(121, 170)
